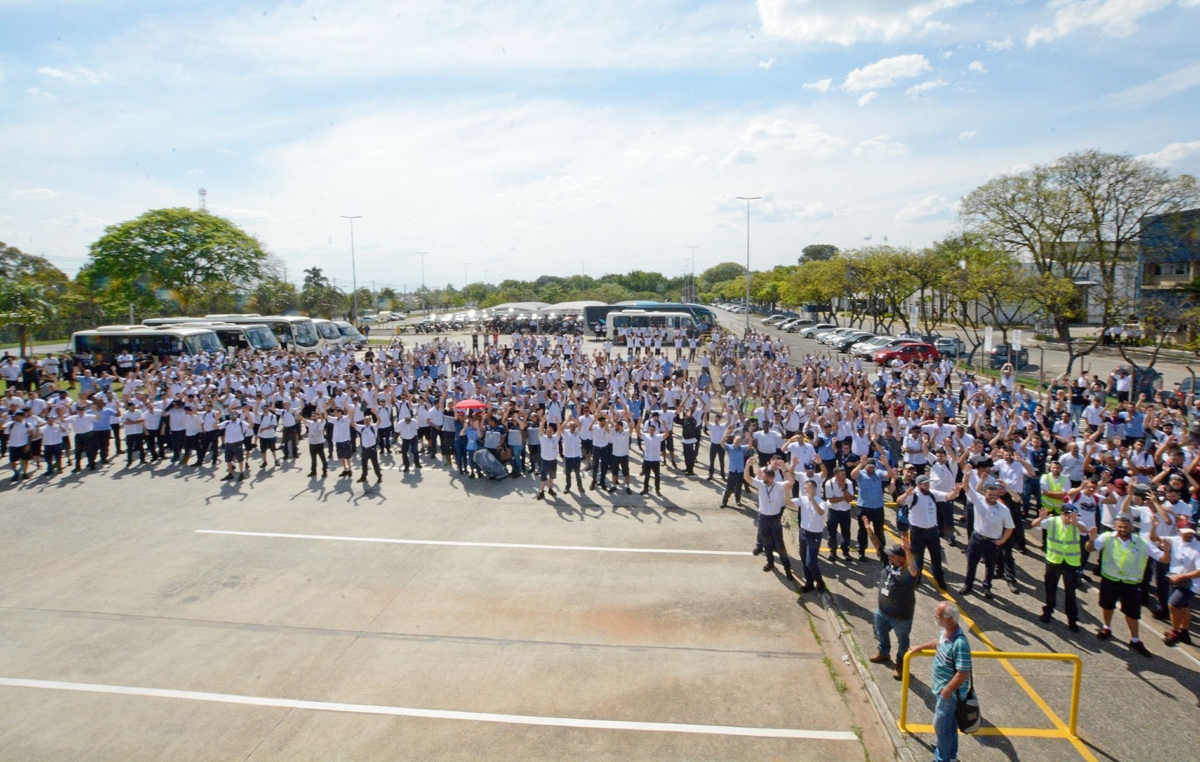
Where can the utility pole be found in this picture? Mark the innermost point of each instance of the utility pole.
(354, 270)
(423, 253)
(748, 199)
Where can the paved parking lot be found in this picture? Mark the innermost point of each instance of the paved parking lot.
(155, 616)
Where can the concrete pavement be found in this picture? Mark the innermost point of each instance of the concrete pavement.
(311, 634)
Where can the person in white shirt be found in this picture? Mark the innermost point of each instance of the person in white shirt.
(133, 422)
(993, 527)
(1185, 582)
(572, 448)
(618, 437)
(838, 494)
(19, 432)
(548, 438)
(237, 430)
(267, 422)
(341, 442)
(368, 439)
(315, 424)
(652, 443)
(811, 511)
(772, 495)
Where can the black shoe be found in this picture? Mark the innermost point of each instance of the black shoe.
(1073, 626)
(723, 505)
(863, 557)
(1162, 615)
(324, 474)
(757, 552)
(362, 478)
(787, 573)
(808, 588)
(769, 567)
(833, 556)
(1140, 647)
(1103, 633)
(227, 477)
(1044, 617)
(312, 474)
(964, 590)
(1012, 587)
(541, 496)
(627, 491)
(987, 593)
(941, 583)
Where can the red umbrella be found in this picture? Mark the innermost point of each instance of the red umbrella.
(471, 405)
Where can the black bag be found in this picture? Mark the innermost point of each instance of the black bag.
(967, 713)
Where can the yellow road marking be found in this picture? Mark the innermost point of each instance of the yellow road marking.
(1008, 732)
(1062, 729)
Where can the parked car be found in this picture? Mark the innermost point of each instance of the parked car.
(868, 347)
(813, 329)
(795, 324)
(909, 351)
(775, 319)
(949, 346)
(1002, 353)
(843, 344)
(835, 336)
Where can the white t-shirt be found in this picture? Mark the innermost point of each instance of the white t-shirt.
(652, 445)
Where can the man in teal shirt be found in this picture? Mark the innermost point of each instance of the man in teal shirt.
(951, 673)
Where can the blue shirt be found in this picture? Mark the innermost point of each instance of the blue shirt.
(825, 449)
(952, 655)
(870, 489)
(737, 457)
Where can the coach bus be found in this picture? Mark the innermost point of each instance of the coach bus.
(293, 331)
(596, 315)
(621, 323)
(235, 337)
(108, 341)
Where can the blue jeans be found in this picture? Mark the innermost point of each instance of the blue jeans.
(518, 453)
(946, 727)
(884, 625)
(810, 547)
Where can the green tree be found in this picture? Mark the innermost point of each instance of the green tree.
(817, 252)
(719, 274)
(318, 297)
(26, 305)
(182, 252)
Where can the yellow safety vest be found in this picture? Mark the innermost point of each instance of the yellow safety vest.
(1124, 564)
(1062, 542)
(1057, 484)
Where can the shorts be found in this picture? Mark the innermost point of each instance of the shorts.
(266, 445)
(234, 452)
(19, 453)
(1181, 598)
(1129, 596)
(345, 450)
(549, 469)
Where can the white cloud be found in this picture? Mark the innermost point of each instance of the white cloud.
(766, 64)
(932, 84)
(740, 156)
(849, 21)
(998, 45)
(1172, 154)
(867, 98)
(966, 134)
(1117, 18)
(678, 154)
(783, 135)
(770, 209)
(885, 72)
(926, 207)
(80, 74)
(34, 193)
(879, 147)
(978, 66)
(821, 86)
(1165, 86)
(638, 155)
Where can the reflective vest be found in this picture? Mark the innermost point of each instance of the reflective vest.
(1121, 563)
(1062, 542)
(1059, 483)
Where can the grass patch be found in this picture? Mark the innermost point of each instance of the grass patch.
(838, 683)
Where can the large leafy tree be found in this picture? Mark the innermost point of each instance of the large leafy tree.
(26, 305)
(178, 254)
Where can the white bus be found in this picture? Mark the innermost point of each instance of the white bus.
(351, 334)
(621, 323)
(329, 333)
(235, 337)
(106, 342)
(293, 331)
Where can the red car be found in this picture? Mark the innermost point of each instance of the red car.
(912, 351)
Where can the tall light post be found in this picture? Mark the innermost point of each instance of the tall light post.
(748, 199)
(353, 269)
(465, 265)
(693, 278)
(423, 253)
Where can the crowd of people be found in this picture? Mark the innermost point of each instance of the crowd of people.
(894, 464)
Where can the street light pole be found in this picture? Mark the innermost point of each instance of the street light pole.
(465, 265)
(748, 199)
(692, 292)
(423, 253)
(353, 270)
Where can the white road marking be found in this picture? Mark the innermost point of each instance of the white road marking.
(517, 546)
(434, 714)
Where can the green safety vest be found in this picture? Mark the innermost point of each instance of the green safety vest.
(1124, 564)
(1062, 543)
(1057, 484)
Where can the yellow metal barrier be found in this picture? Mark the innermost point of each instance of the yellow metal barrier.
(1070, 732)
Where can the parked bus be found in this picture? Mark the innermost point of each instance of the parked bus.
(329, 333)
(234, 337)
(596, 316)
(103, 344)
(292, 331)
(620, 323)
(351, 334)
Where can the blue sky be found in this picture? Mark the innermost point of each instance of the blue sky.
(529, 138)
